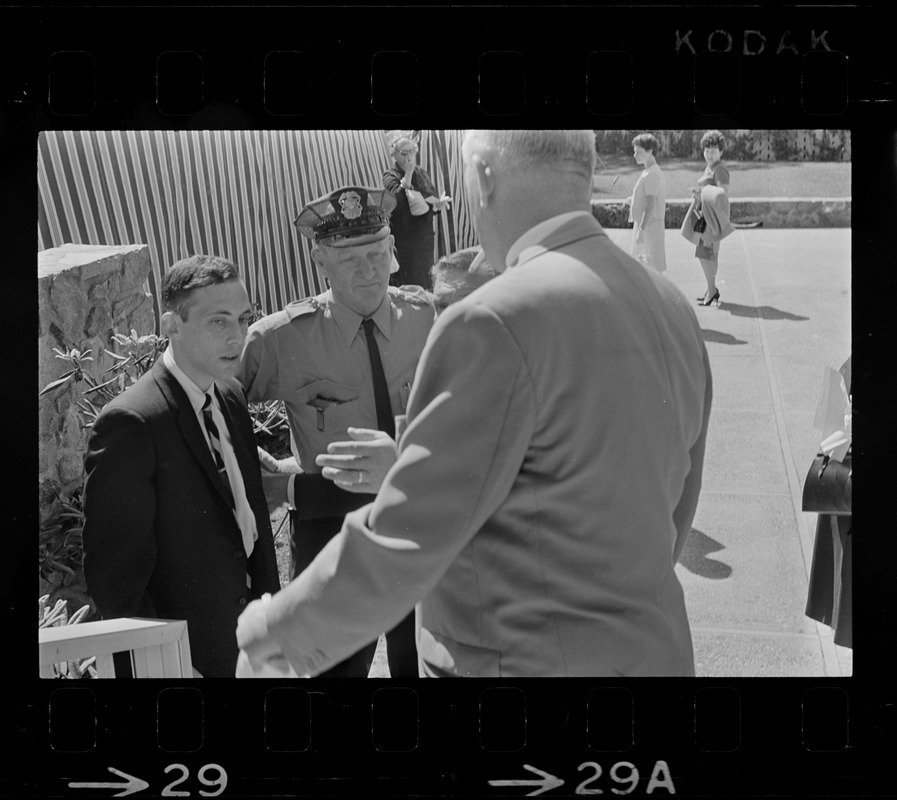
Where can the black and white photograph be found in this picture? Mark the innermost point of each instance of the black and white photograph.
(519, 344)
(642, 469)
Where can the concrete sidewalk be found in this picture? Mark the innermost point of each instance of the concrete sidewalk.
(784, 317)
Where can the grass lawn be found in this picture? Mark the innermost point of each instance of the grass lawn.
(616, 177)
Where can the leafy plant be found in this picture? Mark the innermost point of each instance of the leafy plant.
(738, 148)
(140, 353)
(271, 427)
(783, 146)
(681, 144)
(60, 549)
(827, 150)
(611, 215)
(76, 359)
(60, 544)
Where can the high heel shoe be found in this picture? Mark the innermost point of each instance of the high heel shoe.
(703, 301)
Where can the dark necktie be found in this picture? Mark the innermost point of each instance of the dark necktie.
(385, 420)
(215, 441)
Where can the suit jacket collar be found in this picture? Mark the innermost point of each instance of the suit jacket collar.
(180, 404)
(575, 228)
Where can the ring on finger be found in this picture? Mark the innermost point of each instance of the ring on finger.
(360, 477)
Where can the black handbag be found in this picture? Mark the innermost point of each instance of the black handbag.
(700, 225)
(827, 488)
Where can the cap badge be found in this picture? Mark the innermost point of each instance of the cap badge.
(350, 203)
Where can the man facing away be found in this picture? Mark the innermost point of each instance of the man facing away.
(176, 523)
(550, 470)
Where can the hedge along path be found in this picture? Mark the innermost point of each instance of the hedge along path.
(759, 179)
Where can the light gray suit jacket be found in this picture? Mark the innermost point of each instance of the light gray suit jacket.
(546, 483)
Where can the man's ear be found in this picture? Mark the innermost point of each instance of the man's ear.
(485, 180)
(170, 323)
(320, 262)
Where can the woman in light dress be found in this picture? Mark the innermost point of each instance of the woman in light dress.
(719, 224)
(647, 206)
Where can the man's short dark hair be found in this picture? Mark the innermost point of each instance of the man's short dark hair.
(193, 273)
(452, 279)
(647, 141)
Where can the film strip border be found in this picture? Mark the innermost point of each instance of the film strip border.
(653, 79)
(529, 63)
(479, 739)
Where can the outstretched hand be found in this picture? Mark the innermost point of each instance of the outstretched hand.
(260, 656)
(359, 465)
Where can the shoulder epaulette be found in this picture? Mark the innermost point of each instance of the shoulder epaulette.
(302, 307)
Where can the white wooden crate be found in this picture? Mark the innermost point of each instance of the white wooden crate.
(159, 648)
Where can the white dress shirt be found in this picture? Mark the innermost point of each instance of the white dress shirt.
(242, 510)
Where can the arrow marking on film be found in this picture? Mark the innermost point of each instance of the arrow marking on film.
(546, 782)
(133, 784)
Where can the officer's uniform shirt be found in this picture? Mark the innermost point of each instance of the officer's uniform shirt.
(313, 355)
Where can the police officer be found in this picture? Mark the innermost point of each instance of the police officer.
(343, 363)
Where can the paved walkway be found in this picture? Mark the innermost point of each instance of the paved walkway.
(785, 316)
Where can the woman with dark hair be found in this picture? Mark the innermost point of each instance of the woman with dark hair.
(647, 206)
(710, 210)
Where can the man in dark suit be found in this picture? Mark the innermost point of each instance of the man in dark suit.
(177, 525)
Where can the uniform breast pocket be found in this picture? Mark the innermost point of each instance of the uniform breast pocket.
(328, 406)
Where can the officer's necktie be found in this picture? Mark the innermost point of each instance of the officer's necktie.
(385, 420)
(215, 441)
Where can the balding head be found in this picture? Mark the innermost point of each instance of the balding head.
(570, 150)
(518, 178)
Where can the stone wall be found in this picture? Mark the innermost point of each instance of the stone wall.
(86, 293)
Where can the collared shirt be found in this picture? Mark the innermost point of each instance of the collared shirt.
(538, 233)
(313, 355)
(197, 397)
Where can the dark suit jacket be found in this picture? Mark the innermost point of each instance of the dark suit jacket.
(160, 539)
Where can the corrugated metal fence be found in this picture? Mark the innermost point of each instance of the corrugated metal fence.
(228, 193)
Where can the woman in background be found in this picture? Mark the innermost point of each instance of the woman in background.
(647, 206)
(411, 222)
(711, 204)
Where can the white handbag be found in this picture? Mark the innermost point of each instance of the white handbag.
(416, 203)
